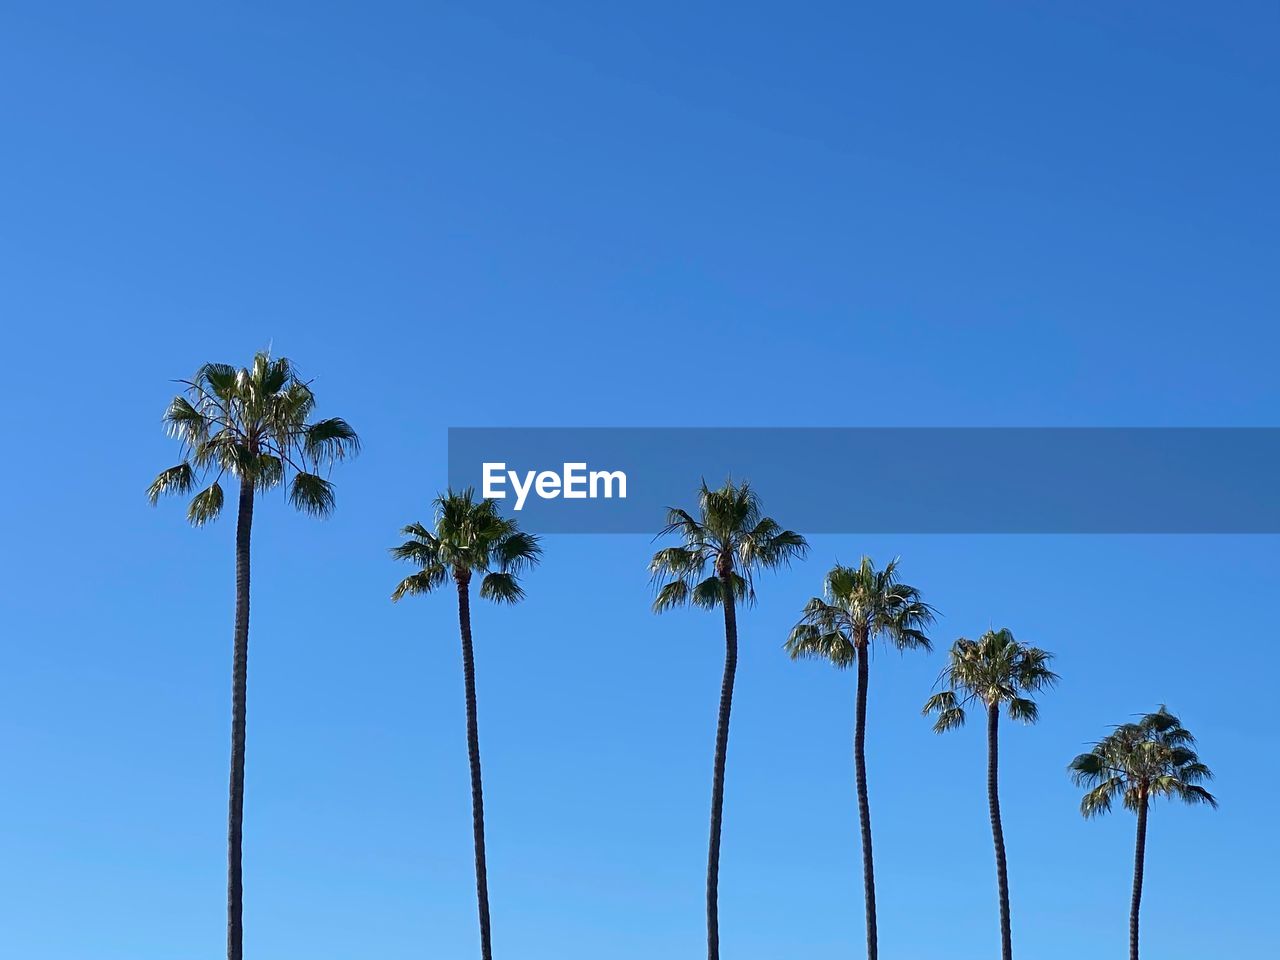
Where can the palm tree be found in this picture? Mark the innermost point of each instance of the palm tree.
(860, 604)
(1153, 757)
(730, 536)
(251, 424)
(993, 670)
(470, 537)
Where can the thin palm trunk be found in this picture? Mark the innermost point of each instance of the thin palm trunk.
(997, 828)
(1139, 858)
(717, 778)
(473, 753)
(239, 691)
(864, 804)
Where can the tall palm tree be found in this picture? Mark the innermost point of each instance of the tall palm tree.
(993, 670)
(1152, 757)
(859, 605)
(730, 536)
(251, 424)
(469, 537)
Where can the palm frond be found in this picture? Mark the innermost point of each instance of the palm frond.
(267, 472)
(184, 422)
(1023, 709)
(677, 562)
(205, 505)
(1088, 768)
(817, 640)
(671, 595)
(1098, 801)
(178, 479)
(312, 494)
(948, 710)
(1192, 794)
(424, 552)
(516, 551)
(218, 379)
(767, 546)
(501, 588)
(424, 581)
(681, 523)
(331, 439)
(709, 593)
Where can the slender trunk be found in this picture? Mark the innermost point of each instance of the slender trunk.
(717, 778)
(239, 690)
(997, 828)
(864, 804)
(1139, 858)
(473, 753)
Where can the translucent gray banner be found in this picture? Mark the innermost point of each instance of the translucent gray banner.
(884, 480)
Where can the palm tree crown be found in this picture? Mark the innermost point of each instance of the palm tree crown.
(251, 423)
(859, 604)
(1152, 757)
(732, 537)
(993, 670)
(470, 536)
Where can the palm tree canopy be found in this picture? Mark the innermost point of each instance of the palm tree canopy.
(731, 536)
(470, 536)
(992, 670)
(1151, 757)
(858, 605)
(254, 424)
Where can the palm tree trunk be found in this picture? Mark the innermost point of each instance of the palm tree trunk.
(1139, 858)
(717, 777)
(239, 691)
(473, 752)
(997, 828)
(864, 804)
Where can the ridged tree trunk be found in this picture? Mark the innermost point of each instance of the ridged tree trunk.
(864, 804)
(997, 828)
(473, 753)
(717, 777)
(239, 692)
(1139, 859)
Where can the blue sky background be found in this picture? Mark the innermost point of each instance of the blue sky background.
(572, 213)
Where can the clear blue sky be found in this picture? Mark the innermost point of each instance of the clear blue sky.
(569, 213)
